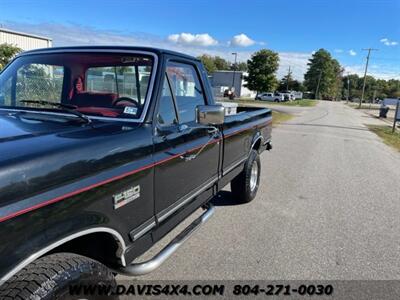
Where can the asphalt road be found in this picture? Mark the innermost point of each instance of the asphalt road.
(328, 208)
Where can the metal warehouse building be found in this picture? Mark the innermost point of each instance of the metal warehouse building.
(223, 80)
(25, 41)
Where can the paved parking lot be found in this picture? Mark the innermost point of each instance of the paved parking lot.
(328, 208)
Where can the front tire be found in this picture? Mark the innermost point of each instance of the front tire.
(50, 277)
(245, 185)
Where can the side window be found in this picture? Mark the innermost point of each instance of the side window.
(166, 115)
(5, 92)
(187, 89)
(40, 82)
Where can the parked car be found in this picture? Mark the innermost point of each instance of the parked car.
(297, 95)
(93, 174)
(287, 96)
(275, 97)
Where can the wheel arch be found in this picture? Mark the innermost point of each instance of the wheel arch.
(257, 142)
(83, 236)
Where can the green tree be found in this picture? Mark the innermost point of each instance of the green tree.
(379, 88)
(337, 84)
(350, 82)
(217, 63)
(382, 88)
(221, 64)
(327, 71)
(294, 85)
(262, 67)
(7, 52)
(285, 83)
(393, 88)
(208, 62)
(240, 66)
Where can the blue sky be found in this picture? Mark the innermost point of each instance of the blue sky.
(293, 28)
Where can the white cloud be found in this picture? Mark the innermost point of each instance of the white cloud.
(388, 42)
(338, 50)
(297, 62)
(203, 39)
(352, 52)
(83, 35)
(242, 40)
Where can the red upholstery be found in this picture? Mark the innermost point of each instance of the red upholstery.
(91, 99)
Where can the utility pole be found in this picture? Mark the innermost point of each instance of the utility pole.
(365, 73)
(234, 72)
(348, 87)
(396, 116)
(288, 79)
(319, 81)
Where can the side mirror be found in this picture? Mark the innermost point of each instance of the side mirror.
(210, 114)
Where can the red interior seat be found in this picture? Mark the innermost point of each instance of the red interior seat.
(91, 99)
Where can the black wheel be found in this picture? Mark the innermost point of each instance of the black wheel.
(276, 100)
(50, 277)
(245, 185)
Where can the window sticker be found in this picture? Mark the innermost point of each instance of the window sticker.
(129, 110)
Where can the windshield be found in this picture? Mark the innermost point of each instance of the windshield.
(95, 84)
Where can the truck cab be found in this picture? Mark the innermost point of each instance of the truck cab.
(107, 149)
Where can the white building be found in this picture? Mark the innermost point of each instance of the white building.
(22, 40)
(224, 80)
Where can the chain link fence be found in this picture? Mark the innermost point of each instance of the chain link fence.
(39, 88)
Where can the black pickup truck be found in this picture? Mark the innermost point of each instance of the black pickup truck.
(104, 150)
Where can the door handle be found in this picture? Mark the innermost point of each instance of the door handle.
(210, 129)
(188, 157)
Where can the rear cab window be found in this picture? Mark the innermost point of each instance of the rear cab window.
(126, 81)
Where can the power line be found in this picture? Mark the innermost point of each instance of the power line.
(365, 73)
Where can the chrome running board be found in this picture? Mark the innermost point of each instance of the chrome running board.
(142, 268)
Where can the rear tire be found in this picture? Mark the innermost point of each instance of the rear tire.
(50, 277)
(245, 185)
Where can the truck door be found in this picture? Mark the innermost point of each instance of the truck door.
(186, 154)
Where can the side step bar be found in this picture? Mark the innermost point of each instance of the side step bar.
(142, 268)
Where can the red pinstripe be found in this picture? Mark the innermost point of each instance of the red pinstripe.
(87, 188)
